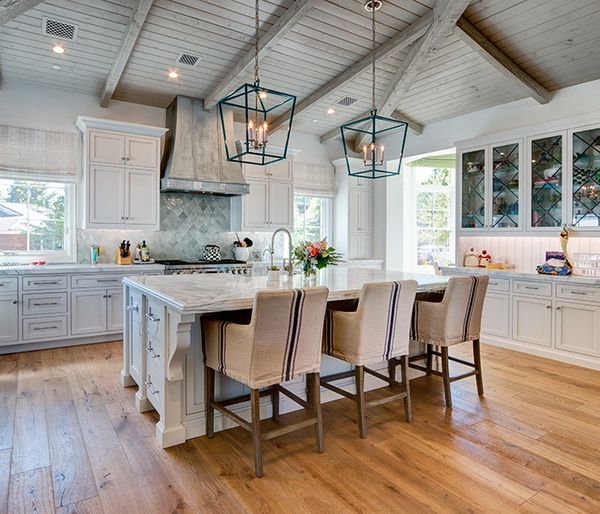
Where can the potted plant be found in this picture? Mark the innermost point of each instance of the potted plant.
(313, 256)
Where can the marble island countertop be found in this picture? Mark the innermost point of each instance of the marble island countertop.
(212, 293)
(523, 274)
(28, 269)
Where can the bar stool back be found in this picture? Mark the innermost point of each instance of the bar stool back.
(281, 342)
(374, 330)
(453, 319)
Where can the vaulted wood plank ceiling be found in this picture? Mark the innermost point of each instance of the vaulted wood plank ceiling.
(554, 43)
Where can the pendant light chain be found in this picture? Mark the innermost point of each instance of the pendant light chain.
(256, 32)
(373, 55)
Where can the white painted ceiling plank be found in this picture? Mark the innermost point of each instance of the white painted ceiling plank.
(10, 9)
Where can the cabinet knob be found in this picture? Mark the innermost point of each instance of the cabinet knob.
(15, 302)
(558, 308)
(548, 306)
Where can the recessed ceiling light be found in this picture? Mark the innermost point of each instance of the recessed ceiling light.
(56, 67)
(58, 49)
(173, 74)
(330, 111)
(315, 121)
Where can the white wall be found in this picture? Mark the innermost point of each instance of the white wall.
(31, 106)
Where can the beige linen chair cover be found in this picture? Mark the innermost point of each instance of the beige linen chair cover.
(282, 341)
(457, 318)
(379, 328)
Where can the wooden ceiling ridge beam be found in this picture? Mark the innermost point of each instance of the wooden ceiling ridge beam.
(475, 40)
(10, 9)
(445, 15)
(392, 46)
(130, 36)
(266, 43)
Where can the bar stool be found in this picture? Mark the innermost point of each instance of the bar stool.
(375, 329)
(447, 319)
(281, 341)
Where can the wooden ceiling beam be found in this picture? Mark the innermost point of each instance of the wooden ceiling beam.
(414, 127)
(10, 9)
(445, 15)
(467, 32)
(265, 44)
(395, 44)
(130, 36)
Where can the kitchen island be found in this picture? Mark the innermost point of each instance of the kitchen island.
(163, 346)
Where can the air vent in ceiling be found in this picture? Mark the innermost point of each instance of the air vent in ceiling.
(347, 101)
(187, 59)
(59, 29)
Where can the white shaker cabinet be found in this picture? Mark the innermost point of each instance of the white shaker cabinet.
(532, 320)
(577, 327)
(96, 311)
(9, 318)
(495, 318)
(281, 204)
(121, 174)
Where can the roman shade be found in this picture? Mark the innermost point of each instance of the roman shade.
(34, 154)
(314, 179)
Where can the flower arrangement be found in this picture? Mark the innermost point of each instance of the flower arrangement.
(315, 255)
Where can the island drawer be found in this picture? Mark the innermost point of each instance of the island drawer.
(91, 280)
(45, 282)
(42, 304)
(499, 285)
(152, 384)
(8, 285)
(529, 287)
(572, 292)
(44, 328)
(155, 322)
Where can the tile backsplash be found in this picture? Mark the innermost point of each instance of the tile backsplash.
(188, 222)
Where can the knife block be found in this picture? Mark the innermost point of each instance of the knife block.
(123, 260)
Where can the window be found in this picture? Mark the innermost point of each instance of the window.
(35, 220)
(312, 218)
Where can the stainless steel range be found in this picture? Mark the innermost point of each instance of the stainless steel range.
(192, 266)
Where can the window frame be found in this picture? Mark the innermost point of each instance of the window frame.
(327, 225)
(69, 253)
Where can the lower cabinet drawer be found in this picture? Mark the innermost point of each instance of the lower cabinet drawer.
(8, 285)
(499, 285)
(44, 328)
(41, 304)
(91, 280)
(153, 386)
(532, 288)
(45, 282)
(582, 293)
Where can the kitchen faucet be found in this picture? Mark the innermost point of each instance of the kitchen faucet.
(290, 267)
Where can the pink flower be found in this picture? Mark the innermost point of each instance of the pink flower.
(314, 251)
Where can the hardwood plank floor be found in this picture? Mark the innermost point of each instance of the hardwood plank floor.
(72, 442)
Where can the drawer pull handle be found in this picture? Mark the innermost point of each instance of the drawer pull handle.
(44, 304)
(46, 328)
(133, 307)
(150, 352)
(149, 386)
(493, 283)
(151, 317)
(534, 288)
(45, 283)
(107, 280)
(579, 293)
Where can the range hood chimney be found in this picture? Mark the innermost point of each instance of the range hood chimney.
(194, 159)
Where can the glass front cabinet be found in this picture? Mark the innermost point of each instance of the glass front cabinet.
(537, 184)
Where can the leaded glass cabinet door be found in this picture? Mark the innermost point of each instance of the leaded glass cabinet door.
(506, 186)
(546, 181)
(585, 185)
(473, 189)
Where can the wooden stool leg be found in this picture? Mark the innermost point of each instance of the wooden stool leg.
(275, 401)
(360, 400)
(256, 436)
(446, 376)
(315, 401)
(406, 387)
(429, 358)
(392, 363)
(209, 397)
(477, 358)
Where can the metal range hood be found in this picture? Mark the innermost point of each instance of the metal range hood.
(194, 159)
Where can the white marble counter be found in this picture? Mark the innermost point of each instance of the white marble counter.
(213, 293)
(29, 269)
(524, 274)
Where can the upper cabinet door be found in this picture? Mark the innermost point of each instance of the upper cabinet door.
(142, 152)
(506, 186)
(281, 205)
(256, 205)
(365, 211)
(354, 210)
(141, 190)
(281, 170)
(585, 181)
(255, 171)
(106, 195)
(546, 179)
(106, 147)
(473, 190)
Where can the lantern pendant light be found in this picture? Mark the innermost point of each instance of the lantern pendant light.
(372, 163)
(255, 107)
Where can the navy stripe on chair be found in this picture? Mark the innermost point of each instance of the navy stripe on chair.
(293, 334)
(470, 302)
(391, 321)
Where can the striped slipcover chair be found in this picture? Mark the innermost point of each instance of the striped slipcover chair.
(282, 341)
(453, 319)
(372, 330)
